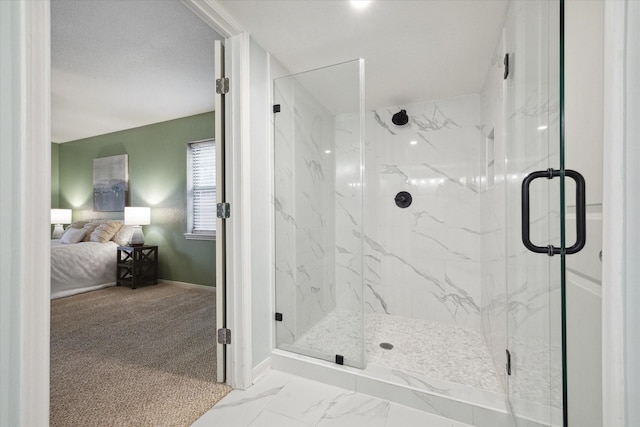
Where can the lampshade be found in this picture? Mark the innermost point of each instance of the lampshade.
(137, 216)
(60, 216)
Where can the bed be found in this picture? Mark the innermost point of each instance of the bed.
(84, 266)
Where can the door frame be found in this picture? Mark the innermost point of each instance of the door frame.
(238, 235)
(25, 171)
(620, 236)
(26, 140)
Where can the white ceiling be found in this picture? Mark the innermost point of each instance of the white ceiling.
(414, 50)
(121, 64)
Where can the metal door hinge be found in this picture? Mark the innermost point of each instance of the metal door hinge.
(276, 108)
(278, 317)
(223, 210)
(224, 336)
(508, 362)
(222, 85)
(506, 65)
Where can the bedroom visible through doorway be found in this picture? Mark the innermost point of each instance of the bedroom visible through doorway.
(138, 90)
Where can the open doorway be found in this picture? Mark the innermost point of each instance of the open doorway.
(135, 79)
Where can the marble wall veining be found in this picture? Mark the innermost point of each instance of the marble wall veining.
(520, 289)
(318, 204)
(454, 256)
(423, 261)
(304, 201)
(349, 213)
(493, 211)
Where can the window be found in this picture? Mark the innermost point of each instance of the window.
(201, 190)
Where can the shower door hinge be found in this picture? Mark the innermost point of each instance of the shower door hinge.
(339, 359)
(506, 65)
(276, 108)
(278, 317)
(508, 362)
(222, 85)
(224, 336)
(223, 210)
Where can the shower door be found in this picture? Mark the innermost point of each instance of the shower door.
(318, 146)
(533, 100)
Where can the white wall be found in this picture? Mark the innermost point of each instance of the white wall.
(261, 214)
(584, 68)
(25, 173)
(621, 223)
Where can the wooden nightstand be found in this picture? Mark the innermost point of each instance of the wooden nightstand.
(137, 265)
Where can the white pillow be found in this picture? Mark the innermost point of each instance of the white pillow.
(105, 231)
(123, 236)
(73, 235)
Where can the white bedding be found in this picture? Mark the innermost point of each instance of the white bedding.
(81, 267)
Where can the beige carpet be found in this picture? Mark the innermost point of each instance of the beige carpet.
(143, 357)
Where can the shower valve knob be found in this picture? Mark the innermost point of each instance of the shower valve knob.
(403, 199)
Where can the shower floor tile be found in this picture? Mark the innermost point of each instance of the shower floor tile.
(443, 358)
(431, 349)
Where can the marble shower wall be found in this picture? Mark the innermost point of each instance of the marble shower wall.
(493, 209)
(304, 205)
(349, 213)
(424, 261)
(534, 321)
(520, 301)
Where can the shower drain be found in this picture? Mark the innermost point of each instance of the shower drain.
(386, 345)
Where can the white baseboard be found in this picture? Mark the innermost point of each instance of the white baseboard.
(191, 285)
(261, 370)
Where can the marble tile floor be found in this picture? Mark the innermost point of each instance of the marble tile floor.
(284, 400)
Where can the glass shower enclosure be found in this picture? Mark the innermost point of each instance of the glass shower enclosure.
(328, 243)
(318, 199)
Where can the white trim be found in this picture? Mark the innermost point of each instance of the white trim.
(613, 230)
(214, 15)
(238, 226)
(196, 236)
(186, 284)
(245, 237)
(240, 130)
(238, 296)
(25, 180)
(261, 370)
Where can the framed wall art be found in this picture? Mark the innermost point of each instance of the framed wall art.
(110, 183)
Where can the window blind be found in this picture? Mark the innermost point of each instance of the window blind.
(203, 169)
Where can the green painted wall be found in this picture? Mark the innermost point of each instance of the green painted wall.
(55, 176)
(157, 178)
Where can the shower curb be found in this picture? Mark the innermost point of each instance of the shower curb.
(355, 380)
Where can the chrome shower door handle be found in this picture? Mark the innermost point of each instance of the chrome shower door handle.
(581, 224)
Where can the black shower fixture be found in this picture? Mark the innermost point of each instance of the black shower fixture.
(403, 199)
(400, 118)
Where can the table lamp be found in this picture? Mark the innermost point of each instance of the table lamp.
(59, 217)
(137, 217)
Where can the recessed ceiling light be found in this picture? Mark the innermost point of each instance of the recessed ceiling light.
(360, 4)
(543, 127)
(413, 142)
(327, 151)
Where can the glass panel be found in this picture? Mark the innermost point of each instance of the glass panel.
(318, 202)
(532, 107)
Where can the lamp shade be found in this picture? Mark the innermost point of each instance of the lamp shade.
(137, 216)
(60, 216)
